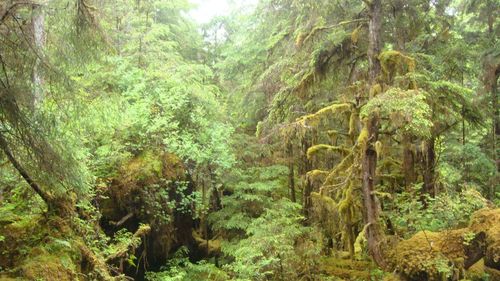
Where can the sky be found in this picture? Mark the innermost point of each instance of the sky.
(208, 9)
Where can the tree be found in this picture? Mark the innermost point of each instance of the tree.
(369, 164)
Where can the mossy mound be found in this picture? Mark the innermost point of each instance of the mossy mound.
(17, 233)
(430, 255)
(488, 221)
(446, 255)
(56, 266)
(151, 188)
(38, 248)
(346, 269)
(476, 272)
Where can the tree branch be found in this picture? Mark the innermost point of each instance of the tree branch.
(5, 147)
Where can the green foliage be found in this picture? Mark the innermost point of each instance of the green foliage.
(407, 110)
(126, 81)
(253, 191)
(268, 250)
(445, 211)
(179, 268)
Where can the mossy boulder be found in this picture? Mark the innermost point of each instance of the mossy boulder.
(488, 221)
(430, 255)
(448, 254)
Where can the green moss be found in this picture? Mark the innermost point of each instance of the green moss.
(39, 248)
(393, 62)
(347, 269)
(355, 35)
(430, 254)
(313, 150)
(314, 119)
(44, 266)
(378, 148)
(375, 90)
(488, 221)
(476, 271)
(341, 167)
(143, 167)
(353, 120)
(363, 137)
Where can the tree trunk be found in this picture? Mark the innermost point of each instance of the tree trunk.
(373, 232)
(38, 26)
(430, 168)
(307, 185)
(495, 129)
(291, 173)
(408, 162)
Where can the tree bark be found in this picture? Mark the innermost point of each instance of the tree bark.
(307, 185)
(430, 168)
(408, 162)
(495, 129)
(369, 163)
(291, 173)
(38, 26)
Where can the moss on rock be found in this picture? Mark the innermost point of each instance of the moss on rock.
(447, 254)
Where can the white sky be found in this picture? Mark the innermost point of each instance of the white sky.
(208, 9)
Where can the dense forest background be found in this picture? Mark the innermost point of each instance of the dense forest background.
(283, 140)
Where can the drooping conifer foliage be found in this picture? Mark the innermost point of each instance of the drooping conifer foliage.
(279, 140)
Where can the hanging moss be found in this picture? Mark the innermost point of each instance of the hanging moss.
(393, 62)
(375, 90)
(314, 119)
(347, 201)
(342, 166)
(355, 35)
(316, 175)
(313, 150)
(300, 39)
(324, 212)
(363, 137)
(353, 121)
(378, 148)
